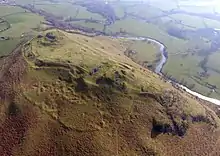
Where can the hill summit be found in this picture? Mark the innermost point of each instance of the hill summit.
(70, 94)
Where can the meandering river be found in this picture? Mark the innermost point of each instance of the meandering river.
(162, 62)
(159, 65)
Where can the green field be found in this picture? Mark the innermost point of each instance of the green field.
(119, 10)
(20, 22)
(67, 10)
(7, 10)
(194, 9)
(7, 46)
(130, 26)
(144, 53)
(145, 11)
(164, 5)
(63, 9)
(212, 23)
(95, 26)
(189, 20)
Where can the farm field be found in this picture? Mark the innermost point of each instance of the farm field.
(60, 9)
(119, 10)
(145, 11)
(144, 53)
(66, 10)
(129, 25)
(8, 10)
(189, 20)
(96, 26)
(21, 22)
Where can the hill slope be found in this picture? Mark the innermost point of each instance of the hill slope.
(68, 94)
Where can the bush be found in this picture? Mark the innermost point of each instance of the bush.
(81, 85)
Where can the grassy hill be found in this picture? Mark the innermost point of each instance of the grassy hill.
(187, 31)
(69, 94)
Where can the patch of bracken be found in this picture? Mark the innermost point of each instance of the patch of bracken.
(12, 131)
(11, 75)
(159, 127)
(105, 81)
(199, 118)
(109, 83)
(81, 85)
(173, 128)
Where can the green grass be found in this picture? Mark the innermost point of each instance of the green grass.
(187, 69)
(177, 66)
(7, 10)
(135, 27)
(118, 9)
(88, 52)
(164, 5)
(144, 51)
(96, 26)
(20, 23)
(92, 119)
(168, 22)
(7, 46)
(141, 28)
(23, 2)
(214, 71)
(75, 49)
(194, 9)
(60, 53)
(67, 10)
(212, 23)
(145, 11)
(214, 60)
(193, 21)
(83, 13)
(78, 110)
(63, 9)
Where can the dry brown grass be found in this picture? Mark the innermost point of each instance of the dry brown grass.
(63, 110)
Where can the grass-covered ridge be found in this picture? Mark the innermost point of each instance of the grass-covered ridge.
(81, 95)
(186, 31)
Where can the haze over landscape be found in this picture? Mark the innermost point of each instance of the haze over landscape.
(109, 77)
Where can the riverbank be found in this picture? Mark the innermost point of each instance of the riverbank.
(163, 61)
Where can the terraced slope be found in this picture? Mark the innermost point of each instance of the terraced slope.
(67, 94)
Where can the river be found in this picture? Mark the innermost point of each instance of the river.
(160, 65)
(162, 62)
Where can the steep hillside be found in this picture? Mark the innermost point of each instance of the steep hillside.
(67, 94)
